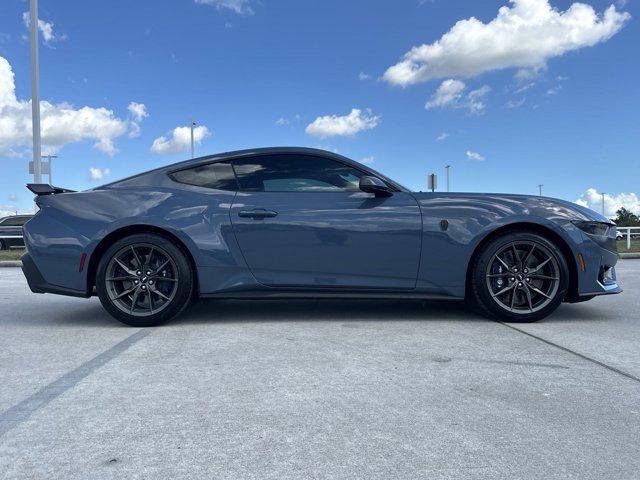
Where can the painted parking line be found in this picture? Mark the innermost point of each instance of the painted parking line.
(573, 352)
(22, 411)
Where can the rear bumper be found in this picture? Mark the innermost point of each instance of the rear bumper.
(38, 284)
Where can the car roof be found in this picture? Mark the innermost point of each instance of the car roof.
(262, 151)
(220, 157)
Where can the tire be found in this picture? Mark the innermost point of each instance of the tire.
(144, 280)
(528, 293)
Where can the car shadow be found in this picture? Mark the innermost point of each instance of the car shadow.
(294, 310)
(333, 310)
(89, 313)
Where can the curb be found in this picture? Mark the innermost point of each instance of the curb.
(629, 255)
(10, 263)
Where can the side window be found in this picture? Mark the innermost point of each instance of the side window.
(213, 175)
(295, 173)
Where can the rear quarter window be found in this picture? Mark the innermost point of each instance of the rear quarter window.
(217, 176)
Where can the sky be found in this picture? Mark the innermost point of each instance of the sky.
(511, 94)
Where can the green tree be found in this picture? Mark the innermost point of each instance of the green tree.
(626, 218)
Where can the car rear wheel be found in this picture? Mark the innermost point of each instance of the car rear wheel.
(519, 277)
(144, 280)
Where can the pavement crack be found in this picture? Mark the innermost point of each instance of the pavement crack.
(573, 352)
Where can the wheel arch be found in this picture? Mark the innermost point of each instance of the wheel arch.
(532, 228)
(122, 232)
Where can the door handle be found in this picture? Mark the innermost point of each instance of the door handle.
(257, 214)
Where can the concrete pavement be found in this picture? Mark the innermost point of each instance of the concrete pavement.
(319, 389)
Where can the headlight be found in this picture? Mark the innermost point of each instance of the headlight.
(600, 229)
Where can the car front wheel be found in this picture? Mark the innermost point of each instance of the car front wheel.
(519, 277)
(144, 280)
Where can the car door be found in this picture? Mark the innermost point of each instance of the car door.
(301, 221)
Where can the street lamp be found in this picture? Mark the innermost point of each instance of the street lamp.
(540, 189)
(603, 194)
(35, 90)
(192, 124)
(447, 167)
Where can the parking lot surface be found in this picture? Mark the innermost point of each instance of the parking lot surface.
(319, 390)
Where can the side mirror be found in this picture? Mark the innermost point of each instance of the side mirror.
(375, 185)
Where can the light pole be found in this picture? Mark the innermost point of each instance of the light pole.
(603, 194)
(49, 157)
(540, 189)
(35, 89)
(447, 168)
(192, 124)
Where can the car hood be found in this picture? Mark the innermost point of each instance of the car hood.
(547, 207)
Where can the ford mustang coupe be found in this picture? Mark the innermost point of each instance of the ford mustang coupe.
(305, 223)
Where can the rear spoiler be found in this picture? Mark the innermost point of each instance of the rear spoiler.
(46, 189)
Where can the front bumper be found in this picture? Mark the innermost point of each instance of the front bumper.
(38, 284)
(599, 274)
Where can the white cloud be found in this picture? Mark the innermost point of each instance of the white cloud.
(282, 121)
(60, 123)
(7, 210)
(364, 76)
(450, 94)
(525, 87)
(138, 111)
(474, 100)
(96, 174)
(474, 156)
(368, 160)
(528, 74)
(442, 137)
(554, 90)
(242, 7)
(447, 93)
(12, 197)
(180, 140)
(346, 125)
(46, 28)
(593, 199)
(515, 103)
(524, 35)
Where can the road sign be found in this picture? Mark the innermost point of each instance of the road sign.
(432, 182)
(45, 169)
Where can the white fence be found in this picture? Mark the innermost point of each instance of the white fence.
(628, 233)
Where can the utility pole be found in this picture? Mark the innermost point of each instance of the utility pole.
(540, 189)
(603, 194)
(192, 124)
(49, 169)
(35, 89)
(448, 167)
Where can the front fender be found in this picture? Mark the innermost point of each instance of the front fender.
(470, 220)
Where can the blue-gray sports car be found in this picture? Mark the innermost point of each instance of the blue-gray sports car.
(305, 223)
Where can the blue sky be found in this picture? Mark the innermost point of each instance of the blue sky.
(542, 93)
